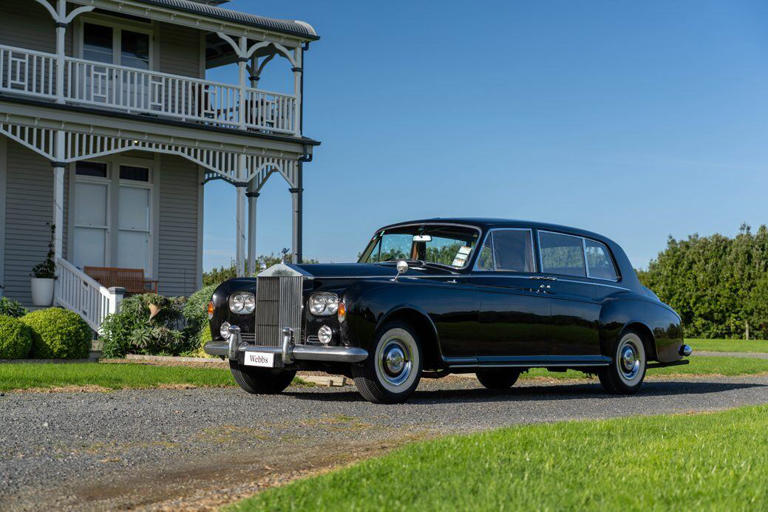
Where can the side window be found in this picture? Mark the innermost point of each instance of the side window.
(562, 254)
(507, 249)
(599, 261)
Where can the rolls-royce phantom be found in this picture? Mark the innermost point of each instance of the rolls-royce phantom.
(432, 297)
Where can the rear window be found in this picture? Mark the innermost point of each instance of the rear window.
(562, 254)
(599, 261)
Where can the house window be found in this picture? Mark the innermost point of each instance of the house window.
(112, 216)
(134, 173)
(115, 46)
(94, 169)
(97, 43)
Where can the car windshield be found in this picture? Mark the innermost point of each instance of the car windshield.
(447, 246)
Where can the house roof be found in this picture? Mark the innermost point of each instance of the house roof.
(292, 27)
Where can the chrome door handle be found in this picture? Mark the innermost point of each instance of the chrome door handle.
(544, 278)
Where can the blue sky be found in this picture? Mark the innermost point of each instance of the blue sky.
(633, 119)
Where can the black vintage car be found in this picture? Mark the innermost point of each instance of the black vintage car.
(439, 296)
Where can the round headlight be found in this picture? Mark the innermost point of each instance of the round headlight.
(323, 304)
(325, 334)
(242, 303)
(224, 330)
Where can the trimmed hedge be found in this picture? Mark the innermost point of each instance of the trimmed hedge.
(58, 334)
(15, 338)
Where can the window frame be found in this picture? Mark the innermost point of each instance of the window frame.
(466, 267)
(584, 255)
(117, 27)
(536, 267)
(610, 256)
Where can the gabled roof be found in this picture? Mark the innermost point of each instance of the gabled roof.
(292, 27)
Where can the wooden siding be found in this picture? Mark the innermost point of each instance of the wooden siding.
(28, 210)
(179, 50)
(26, 24)
(179, 242)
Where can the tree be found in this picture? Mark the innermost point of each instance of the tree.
(719, 285)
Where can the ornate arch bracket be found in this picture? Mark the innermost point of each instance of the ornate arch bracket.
(220, 163)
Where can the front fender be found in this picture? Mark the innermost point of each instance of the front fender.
(370, 304)
(655, 319)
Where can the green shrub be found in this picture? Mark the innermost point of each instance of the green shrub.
(10, 307)
(15, 338)
(131, 331)
(58, 334)
(196, 315)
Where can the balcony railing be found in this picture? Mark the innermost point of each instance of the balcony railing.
(33, 73)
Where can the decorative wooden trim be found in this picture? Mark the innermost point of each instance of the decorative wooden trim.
(3, 188)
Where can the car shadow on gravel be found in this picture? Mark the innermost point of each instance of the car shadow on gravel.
(533, 392)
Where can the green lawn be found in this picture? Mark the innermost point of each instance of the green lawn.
(112, 376)
(690, 462)
(126, 375)
(730, 366)
(728, 345)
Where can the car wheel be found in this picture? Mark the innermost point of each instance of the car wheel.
(393, 370)
(498, 378)
(261, 381)
(626, 372)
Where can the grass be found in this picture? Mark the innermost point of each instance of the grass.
(730, 366)
(139, 376)
(728, 345)
(110, 376)
(689, 462)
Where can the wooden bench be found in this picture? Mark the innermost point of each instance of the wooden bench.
(132, 279)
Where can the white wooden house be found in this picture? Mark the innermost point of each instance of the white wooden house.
(109, 130)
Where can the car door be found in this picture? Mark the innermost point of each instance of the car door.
(574, 308)
(513, 313)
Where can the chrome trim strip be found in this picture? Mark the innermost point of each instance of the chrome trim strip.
(529, 362)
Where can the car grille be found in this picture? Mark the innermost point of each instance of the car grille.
(278, 305)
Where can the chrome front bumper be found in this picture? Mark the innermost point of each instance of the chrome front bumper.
(288, 352)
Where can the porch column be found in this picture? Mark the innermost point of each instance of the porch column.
(240, 186)
(58, 197)
(297, 199)
(241, 64)
(253, 197)
(61, 32)
(298, 57)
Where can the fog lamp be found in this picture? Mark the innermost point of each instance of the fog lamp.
(325, 334)
(224, 330)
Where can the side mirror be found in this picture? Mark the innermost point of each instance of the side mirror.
(402, 268)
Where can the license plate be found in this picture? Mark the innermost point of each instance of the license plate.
(263, 359)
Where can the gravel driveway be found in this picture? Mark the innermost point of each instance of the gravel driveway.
(196, 449)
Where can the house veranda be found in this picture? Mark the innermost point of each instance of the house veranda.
(109, 130)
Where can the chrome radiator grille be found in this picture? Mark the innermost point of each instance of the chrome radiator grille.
(278, 305)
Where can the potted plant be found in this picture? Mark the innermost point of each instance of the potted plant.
(44, 276)
(155, 303)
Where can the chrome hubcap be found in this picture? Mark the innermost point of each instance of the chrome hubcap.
(630, 359)
(395, 362)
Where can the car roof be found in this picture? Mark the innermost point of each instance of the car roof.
(486, 223)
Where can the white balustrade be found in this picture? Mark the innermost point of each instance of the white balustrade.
(27, 72)
(140, 91)
(78, 292)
